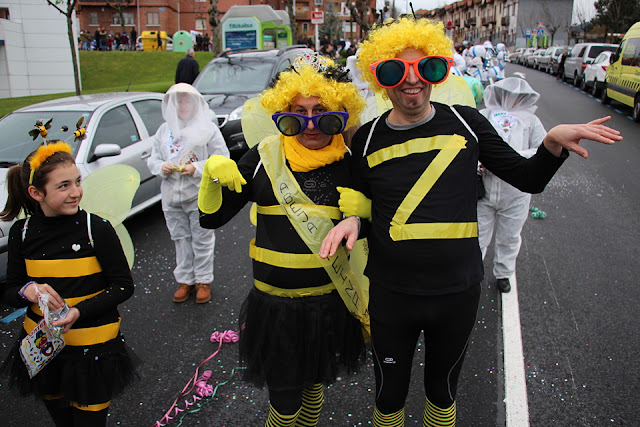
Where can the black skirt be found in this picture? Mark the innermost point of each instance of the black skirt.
(291, 342)
(83, 375)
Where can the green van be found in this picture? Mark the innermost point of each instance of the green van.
(623, 75)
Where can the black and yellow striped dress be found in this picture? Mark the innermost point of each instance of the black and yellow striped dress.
(87, 267)
(294, 327)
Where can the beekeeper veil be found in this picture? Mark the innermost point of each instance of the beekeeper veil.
(187, 115)
(512, 94)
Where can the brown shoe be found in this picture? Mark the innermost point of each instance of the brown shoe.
(182, 294)
(204, 293)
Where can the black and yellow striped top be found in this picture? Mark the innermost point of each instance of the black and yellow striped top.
(58, 251)
(275, 236)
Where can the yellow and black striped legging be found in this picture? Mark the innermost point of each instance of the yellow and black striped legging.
(295, 408)
(75, 415)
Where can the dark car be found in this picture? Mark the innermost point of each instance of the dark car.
(235, 76)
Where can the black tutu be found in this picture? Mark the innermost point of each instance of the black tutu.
(291, 342)
(84, 375)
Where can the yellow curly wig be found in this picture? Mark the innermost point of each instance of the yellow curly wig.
(389, 39)
(308, 82)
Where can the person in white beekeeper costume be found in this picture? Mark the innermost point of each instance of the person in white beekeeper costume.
(181, 147)
(510, 107)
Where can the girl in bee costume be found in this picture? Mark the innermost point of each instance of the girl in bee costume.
(295, 331)
(73, 256)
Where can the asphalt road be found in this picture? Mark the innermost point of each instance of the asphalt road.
(578, 307)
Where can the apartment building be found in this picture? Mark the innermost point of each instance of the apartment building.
(516, 23)
(174, 15)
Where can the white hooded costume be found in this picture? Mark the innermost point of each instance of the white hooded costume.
(510, 106)
(180, 142)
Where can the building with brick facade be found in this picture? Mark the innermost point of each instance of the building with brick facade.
(175, 15)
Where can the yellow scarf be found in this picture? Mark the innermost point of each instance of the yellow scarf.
(302, 159)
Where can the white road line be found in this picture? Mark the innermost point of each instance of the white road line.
(515, 383)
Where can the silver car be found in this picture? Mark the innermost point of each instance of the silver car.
(119, 127)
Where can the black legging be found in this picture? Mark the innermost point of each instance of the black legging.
(396, 322)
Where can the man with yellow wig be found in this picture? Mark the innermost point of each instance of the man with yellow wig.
(296, 333)
(417, 163)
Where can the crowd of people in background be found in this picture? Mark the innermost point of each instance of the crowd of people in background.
(102, 40)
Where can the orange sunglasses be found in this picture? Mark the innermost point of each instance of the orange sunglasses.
(389, 73)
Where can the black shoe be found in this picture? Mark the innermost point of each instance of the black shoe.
(503, 285)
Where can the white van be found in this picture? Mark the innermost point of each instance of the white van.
(583, 54)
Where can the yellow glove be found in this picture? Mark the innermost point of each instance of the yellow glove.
(354, 203)
(225, 172)
(210, 192)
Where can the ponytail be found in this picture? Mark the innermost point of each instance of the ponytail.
(18, 199)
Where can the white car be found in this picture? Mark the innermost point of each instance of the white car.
(119, 130)
(595, 73)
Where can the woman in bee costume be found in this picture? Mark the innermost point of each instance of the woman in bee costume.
(295, 331)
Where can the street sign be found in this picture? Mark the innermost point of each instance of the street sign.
(527, 34)
(317, 17)
(540, 33)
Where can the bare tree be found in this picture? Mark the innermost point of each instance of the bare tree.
(581, 16)
(120, 6)
(214, 21)
(70, 6)
(332, 27)
(292, 20)
(359, 13)
(554, 22)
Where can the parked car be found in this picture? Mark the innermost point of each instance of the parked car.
(235, 76)
(119, 127)
(522, 59)
(595, 73)
(532, 60)
(623, 75)
(515, 55)
(583, 54)
(549, 61)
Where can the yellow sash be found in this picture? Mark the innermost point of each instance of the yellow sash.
(312, 227)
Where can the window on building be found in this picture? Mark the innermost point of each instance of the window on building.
(93, 19)
(201, 24)
(153, 18)
(305, 27)
(4, 13)
(128, 18)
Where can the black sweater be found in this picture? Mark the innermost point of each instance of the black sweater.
(437, 265)
(64, 238)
